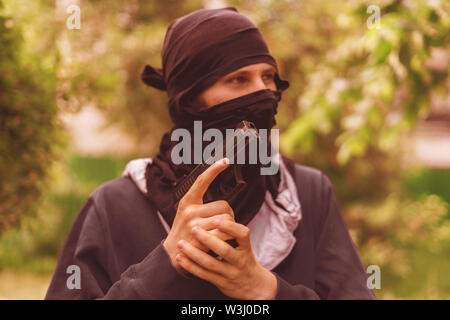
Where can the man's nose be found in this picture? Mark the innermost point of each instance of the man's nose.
(258, 84)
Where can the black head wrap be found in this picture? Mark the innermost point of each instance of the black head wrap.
(199, 49)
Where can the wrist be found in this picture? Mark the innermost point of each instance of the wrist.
(268, 286)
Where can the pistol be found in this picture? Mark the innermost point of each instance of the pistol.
(231, 181)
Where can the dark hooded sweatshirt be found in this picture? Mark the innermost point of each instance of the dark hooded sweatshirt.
(117, 242)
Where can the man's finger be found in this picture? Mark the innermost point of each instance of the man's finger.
(203, 259)
(199, 245)
(209, 222)
(237, 230)
(218, 246)
(198, 271)
(211, 209)
(209, 225)
(198, 189)
(221, 235)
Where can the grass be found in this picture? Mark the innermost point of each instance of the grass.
(95, 171)
(428, 278)
(428, 181)
(23, 286)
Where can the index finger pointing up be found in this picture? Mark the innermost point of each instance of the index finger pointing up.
(198, 189)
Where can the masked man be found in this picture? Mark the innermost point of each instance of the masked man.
(132, 239)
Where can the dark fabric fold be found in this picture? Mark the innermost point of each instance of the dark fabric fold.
(153, 77)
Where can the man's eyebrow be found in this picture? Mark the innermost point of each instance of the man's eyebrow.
(271, 68)
(235, 73)
(244, 72)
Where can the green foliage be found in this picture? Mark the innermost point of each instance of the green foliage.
(354, 90)
(94, 171)
(370, 83)
(397, 234)
(29, 131)
(35, 246)
(428, 181)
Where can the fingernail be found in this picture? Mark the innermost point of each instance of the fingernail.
(179, 257)
(217, 222)
(194, 230)
(225, 161)
(181, 244)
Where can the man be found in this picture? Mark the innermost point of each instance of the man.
(132, 240)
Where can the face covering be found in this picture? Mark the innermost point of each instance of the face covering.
(259, 107)
(162, 175)
(199, 49)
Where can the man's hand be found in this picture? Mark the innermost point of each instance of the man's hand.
(192, 212)
(239, 275)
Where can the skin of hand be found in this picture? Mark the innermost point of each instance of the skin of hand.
(192, 212)
(238, 275)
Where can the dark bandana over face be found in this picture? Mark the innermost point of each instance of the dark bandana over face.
(199, 49)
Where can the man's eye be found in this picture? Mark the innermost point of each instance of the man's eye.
(237, 80)
(269, 76)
